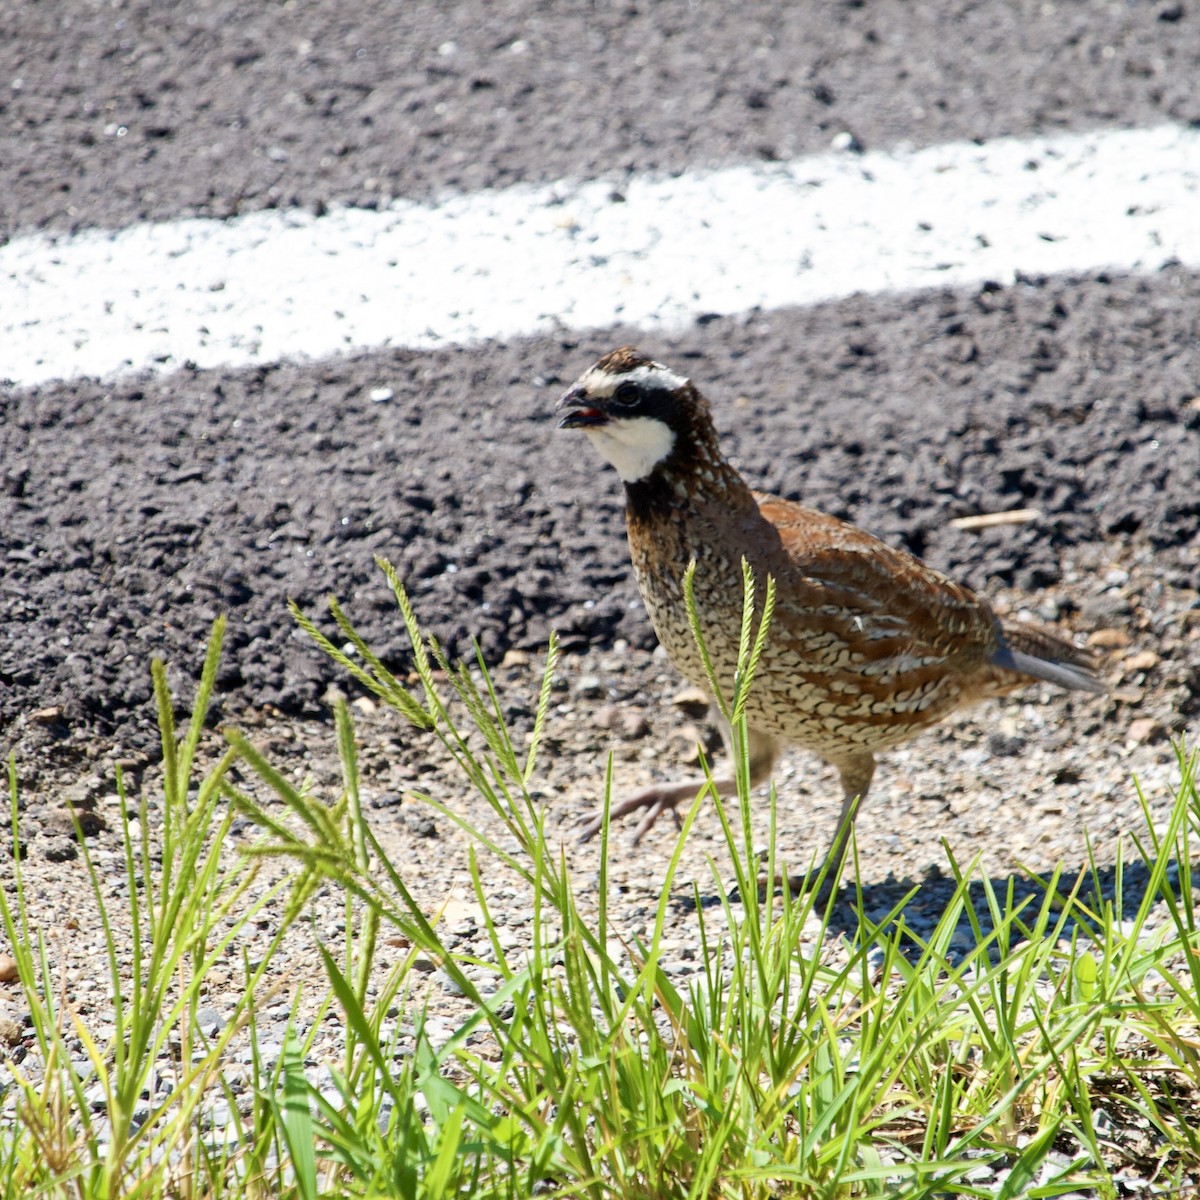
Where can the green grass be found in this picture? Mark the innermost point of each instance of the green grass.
(1050, 1034)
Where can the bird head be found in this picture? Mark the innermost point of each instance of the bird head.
(635, 411)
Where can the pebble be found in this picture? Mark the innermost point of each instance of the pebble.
(1108, 607)
(1143, 730)
(983, 1173)
(220, 1114)
(421, 823)
(61, 849)
(209, 1022)
(439, 1031)
(692, 700)
(8, 968)
(606, 717)
(633, 725)
(1147, 660)
(1004, 745)
(269, 1052)
(1108, 639)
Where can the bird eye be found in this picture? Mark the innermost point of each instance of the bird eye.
(627, 395)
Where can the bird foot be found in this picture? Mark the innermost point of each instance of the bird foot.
(656, 799)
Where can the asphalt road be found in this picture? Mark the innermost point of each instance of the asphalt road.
(133, 510)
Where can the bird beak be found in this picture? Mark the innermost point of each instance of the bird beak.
(579, 412)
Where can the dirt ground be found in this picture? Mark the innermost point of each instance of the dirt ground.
(134, 511)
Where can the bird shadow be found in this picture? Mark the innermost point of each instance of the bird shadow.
(1089, 889)
(908, 911)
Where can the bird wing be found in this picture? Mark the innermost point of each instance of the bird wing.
(862, 605)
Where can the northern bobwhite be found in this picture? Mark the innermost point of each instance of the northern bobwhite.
(867, 647)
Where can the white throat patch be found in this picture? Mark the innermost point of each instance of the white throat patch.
(634, 445)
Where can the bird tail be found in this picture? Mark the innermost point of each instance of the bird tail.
(1039, 654)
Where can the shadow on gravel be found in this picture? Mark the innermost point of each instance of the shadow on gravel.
(1121, 890)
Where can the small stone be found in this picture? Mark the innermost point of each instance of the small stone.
(607, 717)
(1144, 730)
(980, 1174)
(461, 914)
(1108, 639)
(692, 700)
(209, 1022)
(61, 850)
(449, 985)
(269, 1052)
(63, 820)
(386, 800)
(1105, 609)
(11, 1032)
(47, 716)
(221, 1114)
(1146, 660)
(515, 658)
(686, 742)
(590, 685)
(422, 824)
(633, 725)
(1004, 745)
(8, 968)
(381, 395)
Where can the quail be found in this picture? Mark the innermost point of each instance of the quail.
(867, 645)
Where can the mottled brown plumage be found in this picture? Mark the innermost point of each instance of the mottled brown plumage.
(867, 647)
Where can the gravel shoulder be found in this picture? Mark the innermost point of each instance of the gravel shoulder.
(1020, 783)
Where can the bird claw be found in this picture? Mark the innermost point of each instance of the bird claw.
(657, 808)
(590, 827)
(656, 800)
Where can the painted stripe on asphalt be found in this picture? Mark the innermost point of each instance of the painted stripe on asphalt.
(287, 285)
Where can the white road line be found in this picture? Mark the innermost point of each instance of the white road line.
(287, 285)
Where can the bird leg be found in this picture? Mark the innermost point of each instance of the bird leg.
(659, 798)
(856, 771)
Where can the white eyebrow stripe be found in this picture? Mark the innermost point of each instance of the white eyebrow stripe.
(649, 375)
